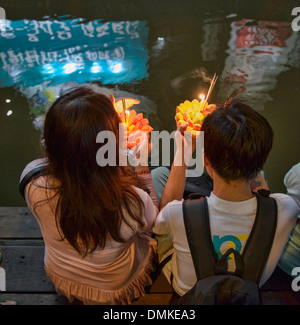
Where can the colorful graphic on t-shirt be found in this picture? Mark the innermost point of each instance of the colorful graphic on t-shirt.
(223, 243)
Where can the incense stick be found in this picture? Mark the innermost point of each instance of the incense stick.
(211, 87)
(212, 84)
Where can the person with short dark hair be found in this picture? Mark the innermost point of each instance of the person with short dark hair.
(237, 141)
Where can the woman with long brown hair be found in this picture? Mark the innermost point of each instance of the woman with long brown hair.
(96, 221)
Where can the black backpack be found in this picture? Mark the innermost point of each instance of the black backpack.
(215, 285)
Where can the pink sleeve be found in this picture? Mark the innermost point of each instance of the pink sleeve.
(147, 180)
(150, 212)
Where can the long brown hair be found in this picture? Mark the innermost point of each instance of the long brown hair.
(92, 200)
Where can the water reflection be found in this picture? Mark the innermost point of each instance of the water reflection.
(258, 53)
(42, 59)
(41, 96)
(35, 51)
(162, 61)
(197, 73)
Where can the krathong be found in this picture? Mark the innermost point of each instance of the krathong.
(194, 112)
(135, 122)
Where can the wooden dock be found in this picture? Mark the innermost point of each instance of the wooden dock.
(22, 250)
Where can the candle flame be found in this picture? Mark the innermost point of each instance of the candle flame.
(201, 96)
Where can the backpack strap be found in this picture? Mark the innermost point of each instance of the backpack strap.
(196, 221)
(258, 246)
(30, 176)
(260, 241)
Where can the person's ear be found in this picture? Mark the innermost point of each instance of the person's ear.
(208, 167)
(205, 161)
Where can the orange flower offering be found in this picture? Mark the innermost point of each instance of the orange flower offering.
(136, 123)
(193, 113)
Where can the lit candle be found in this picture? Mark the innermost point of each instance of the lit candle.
(202, 97)
(126, 115)
(124, 109)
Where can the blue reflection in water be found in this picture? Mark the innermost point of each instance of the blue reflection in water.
(33, 52)
(96, 68)
(42, 59)
(69, 68)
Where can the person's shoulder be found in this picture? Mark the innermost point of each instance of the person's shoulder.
(142, 193)
(172, 214)
(286, 203)
(174, 205)
(295, 170)
(282, 198)
(292, 178)
(172, 208)
(33, 165)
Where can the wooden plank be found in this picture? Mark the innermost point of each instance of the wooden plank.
(24, 267)
(269, 298)
(22, 242)
(280, 298)
(154, 299)
(161, 285)
(18, 222)
(36, 299)
(54, 299)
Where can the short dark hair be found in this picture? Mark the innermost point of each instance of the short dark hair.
(237, 141)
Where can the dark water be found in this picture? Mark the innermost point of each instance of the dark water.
(160, 52)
